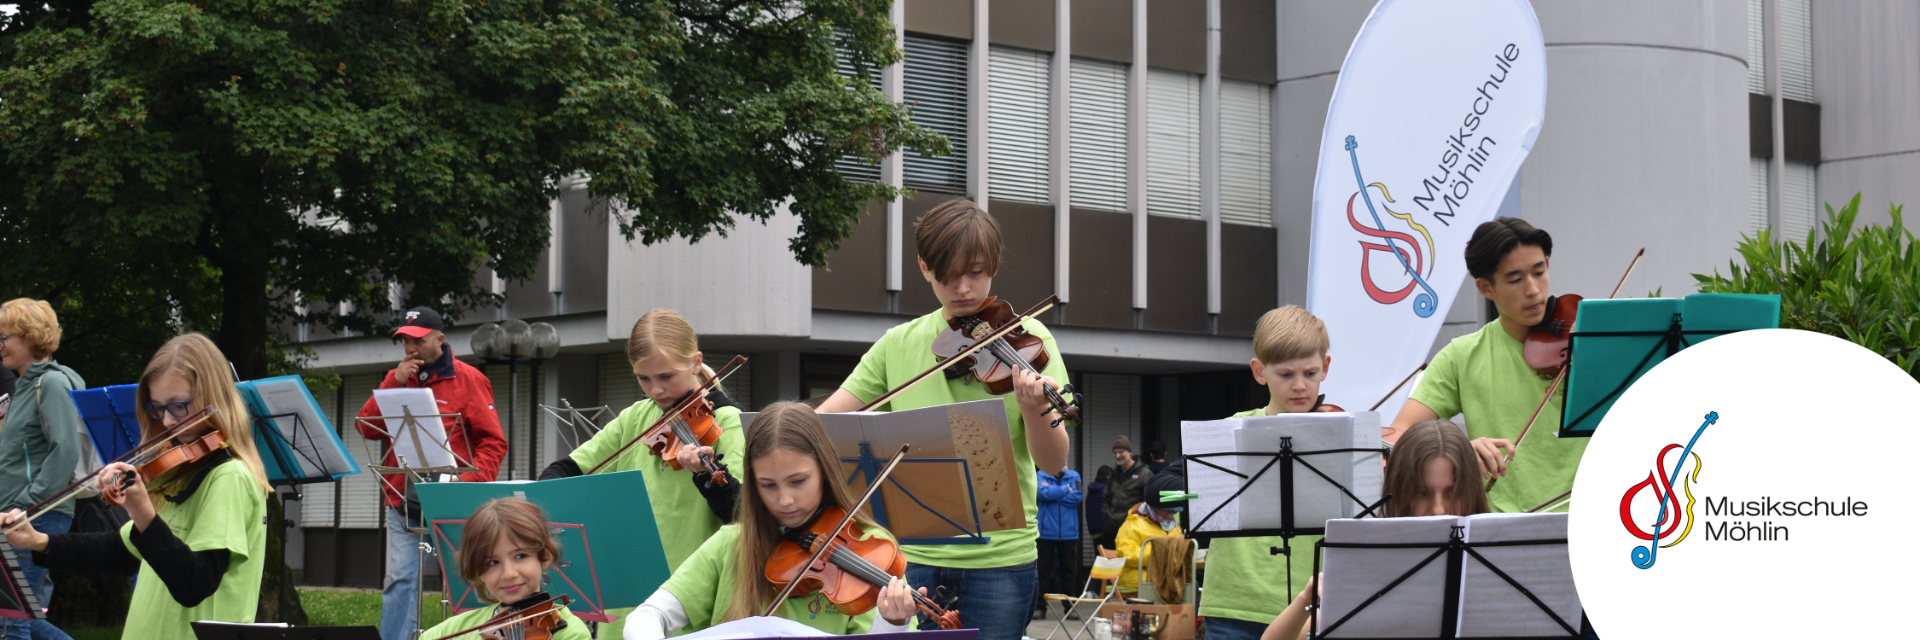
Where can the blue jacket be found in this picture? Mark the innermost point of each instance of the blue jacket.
(1096, 497)
(1059, 506)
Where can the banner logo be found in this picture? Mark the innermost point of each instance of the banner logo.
(1643, 557)
(1413, 260)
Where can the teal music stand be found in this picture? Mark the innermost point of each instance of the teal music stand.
(610, 547)
(1614, 342)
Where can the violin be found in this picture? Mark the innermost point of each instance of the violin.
(688, 422)
(1005, 353)
(147, 457)
(535, 618)
(179, 456)
(854, 570)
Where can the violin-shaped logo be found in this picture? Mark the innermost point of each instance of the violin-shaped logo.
(1672, 513)
(1412, 259)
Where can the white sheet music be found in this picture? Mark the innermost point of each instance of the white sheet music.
(314, 447)
(1369, 474)
(430, 449)
(1315, 500)
(754, 627)
(1212, 485)
(1489, 606)
(1409, 610)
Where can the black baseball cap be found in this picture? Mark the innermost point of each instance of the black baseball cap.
(418, 322)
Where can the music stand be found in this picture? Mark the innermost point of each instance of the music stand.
(108, 413)
(1455, 552)
(1286, 464)
(16, 598)
(420, 437)
(236, 631)
(1614, 342)
(967, 444)
(575, 426)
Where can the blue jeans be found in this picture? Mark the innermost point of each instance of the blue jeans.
(17, 629)
(1230, 629)
(996, 601)
(400, 595)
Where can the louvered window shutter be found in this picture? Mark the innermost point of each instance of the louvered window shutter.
(852, 167)
(1796, 50)
(1099, 130)
(1173, 143)
(936, 88)
(1017, 124)
(1245, 145)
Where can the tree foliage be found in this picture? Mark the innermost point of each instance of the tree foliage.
(1861, 285)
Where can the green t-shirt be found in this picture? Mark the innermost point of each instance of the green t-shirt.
(907, 351)
(1245, 580)
(575, 629)
(1484, 376)
(704, 587)
(679, 511)
(229, 512)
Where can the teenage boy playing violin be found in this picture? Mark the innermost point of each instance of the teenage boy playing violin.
(1484, 376)
(959, 247)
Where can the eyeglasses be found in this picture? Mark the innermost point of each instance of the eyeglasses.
(176, 409)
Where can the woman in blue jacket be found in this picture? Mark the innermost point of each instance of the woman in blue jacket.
(1059, 544)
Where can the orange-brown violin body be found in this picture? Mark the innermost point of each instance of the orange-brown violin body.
(181, 455)
(537, 620)
(851, 574)
(994, 366)
(1545, 347)
(665, 441)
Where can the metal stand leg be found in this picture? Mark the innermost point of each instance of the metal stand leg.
(422, 549)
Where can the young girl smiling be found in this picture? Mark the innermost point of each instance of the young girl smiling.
(504, 552)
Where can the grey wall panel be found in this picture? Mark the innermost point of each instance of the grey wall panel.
(584, 252)
(950, 18)
(1246, 40)
(1867, 63)
(1103, 29)
(1709, 26)
(1027, 24)
(1314, 36)
(1303, 114)
(1176, 275)
(1248, 277)
(744, 284)
(529, 298)
(1879, 181)
(1102, 273)
(856, 276)
(1177, 35)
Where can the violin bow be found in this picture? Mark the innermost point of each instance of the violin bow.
(674, 411)
(1396, 388)
(520, 615)
(827, 540)
(1555, 501)
(1564, 368)
(977, 345)
(132, 454)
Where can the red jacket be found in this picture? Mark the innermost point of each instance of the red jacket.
(458, 388)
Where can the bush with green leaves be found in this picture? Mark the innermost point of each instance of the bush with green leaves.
(1859, 284)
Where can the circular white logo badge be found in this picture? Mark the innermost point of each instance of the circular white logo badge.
(1757, 484)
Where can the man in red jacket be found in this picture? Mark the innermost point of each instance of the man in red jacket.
(459, 389)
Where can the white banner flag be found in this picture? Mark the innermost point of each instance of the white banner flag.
(1436, 107)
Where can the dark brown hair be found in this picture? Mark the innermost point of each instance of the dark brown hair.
(1494, 239)
(1406, 469)
(955, 235)
(522, 521)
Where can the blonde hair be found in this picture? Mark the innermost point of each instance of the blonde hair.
(954, 235)
(516, 518)
(664, 331)
(1406, 469)
(792, 426)
(1287, 333)
(195, 359)
(34, 322)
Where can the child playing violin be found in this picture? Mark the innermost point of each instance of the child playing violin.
(959, 247)
(505, 550)
(791, 476)
(199, 551)
(1433, 471)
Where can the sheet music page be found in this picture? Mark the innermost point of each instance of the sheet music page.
(1369, 474)
(1212, 485)
(1412, 608)
(430, 449)
(754, 627)
(1315, 500)
(316, 445)
(1489, 606)
(959, 472)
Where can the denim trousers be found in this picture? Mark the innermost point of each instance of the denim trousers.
(42, 585)
(997, 601)
(400, 594)
(1219, 628)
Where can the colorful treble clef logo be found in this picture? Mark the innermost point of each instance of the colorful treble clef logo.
(1415, 263)
(1663, 526)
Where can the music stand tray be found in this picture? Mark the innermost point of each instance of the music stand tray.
(297, 444)
(1614, 342)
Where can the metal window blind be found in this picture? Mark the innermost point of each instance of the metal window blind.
(1756, 195)
(1173, 143)
(1112, 409)
(936, 86)
(360, 494)
(854, 168)
(1017, 124)
(1245, 153)
(618, 390)
(1756, 47)
(1099, 134)
(1796, 50)
(316, 501)
(1799, 205)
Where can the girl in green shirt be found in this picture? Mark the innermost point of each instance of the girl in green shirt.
(505, 550)
(198, 551)
(791, 475)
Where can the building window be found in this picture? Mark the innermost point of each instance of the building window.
(853, 167)
(1099, 129)
(1173, 143)
(1017, 124)
(936, 86)
(1245, 154)
(1757, 49)
(1756, 195)
(1796, 50)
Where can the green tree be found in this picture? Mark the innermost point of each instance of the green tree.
(1859, 284)
(215, 165)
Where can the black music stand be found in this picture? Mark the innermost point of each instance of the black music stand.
(410, 428)
(16, 598)
(235, 631)
(1455, 551)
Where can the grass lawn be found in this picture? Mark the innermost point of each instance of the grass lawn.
(325, 607)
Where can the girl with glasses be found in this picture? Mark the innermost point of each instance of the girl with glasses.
(198, 533)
